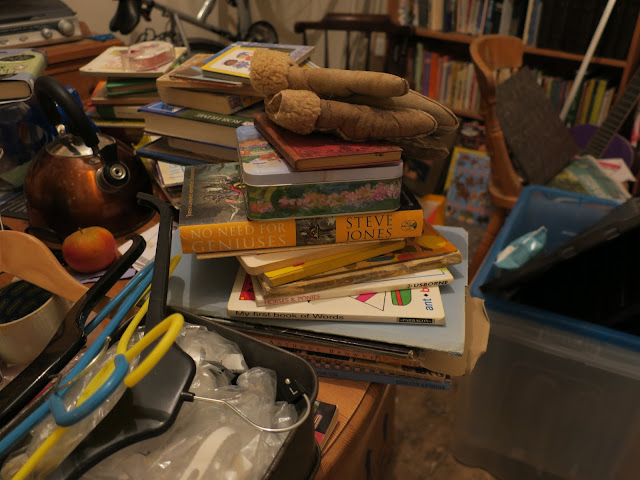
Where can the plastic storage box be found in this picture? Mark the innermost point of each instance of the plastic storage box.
(553, 397)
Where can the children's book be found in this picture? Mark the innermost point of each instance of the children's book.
(320, 150)
(255, 263)
(233, 61)
(306, 268)
(467, 187)
(19, 69)
(427, 278)
(214, 219)
(430, 250)
(199, 125)
(109, 64)
(420, 306)
(325, 419)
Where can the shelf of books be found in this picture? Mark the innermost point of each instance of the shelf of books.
(554, 43)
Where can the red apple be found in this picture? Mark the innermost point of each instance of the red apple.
(89, 249)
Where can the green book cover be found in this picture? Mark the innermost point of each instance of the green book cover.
(162, 108)
(19, 68)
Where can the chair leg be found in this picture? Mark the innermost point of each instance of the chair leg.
(492, 230)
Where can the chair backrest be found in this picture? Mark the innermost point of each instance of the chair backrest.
(493, 57)
(397, 36)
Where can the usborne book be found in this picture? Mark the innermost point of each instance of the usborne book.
(321, 151)
(430, 250)
(233, 61)
(428, 278)
(19, 68)
(213, 218)
(420, 306)
(307, 268)
(211, 102)
(165, 119)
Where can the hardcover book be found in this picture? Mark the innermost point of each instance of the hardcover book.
(214, 219)
(233, 61)
(427, 278)
(421, 306)
(215, 152)
(430, 250)
(210, 101)
(321, 151)
(19, 68)
(165, 119)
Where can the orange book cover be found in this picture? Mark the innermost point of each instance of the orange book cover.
(318, 151)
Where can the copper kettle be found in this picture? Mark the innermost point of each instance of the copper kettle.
(82, 178)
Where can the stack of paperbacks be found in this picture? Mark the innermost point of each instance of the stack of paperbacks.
(115, 102)
(323, 232)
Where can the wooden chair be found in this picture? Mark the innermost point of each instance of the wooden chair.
(492, 57)
(397, 36)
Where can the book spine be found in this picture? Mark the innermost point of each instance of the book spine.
(335, 372)
(294, 344)
(250, 235)
(335, 317)
(349, 290)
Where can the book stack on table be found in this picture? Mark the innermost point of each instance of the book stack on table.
(203, 101)
(115, 101)
(312, 229)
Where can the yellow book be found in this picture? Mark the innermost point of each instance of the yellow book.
(598, 95)
(292, 273)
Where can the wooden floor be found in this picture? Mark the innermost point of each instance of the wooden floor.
(423, 433)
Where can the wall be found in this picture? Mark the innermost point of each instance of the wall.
(282, 14)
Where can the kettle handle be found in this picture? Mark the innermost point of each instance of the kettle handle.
(50, 92)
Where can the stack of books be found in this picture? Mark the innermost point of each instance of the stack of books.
(323, 231)
(115, 101)
(203, 101)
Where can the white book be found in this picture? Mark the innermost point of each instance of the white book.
(171, 174)
(428, 278)
(420, 306)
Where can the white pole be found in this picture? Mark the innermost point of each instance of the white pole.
(587, 58)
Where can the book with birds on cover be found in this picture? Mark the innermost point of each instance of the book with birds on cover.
(213, 218)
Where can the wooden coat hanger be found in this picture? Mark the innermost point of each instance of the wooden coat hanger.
(24, 256)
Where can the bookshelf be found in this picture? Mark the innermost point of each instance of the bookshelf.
(558, 63)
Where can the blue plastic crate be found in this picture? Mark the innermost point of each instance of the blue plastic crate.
(564, 214)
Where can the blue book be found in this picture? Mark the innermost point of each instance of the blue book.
(160, 150)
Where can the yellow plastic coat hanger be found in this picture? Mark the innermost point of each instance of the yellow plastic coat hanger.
(24, 256)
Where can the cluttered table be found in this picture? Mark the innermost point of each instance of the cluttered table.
(364, 409)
